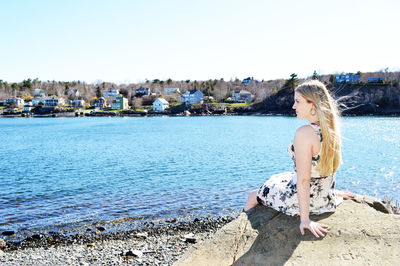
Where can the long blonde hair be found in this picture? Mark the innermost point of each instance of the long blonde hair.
(327, 111)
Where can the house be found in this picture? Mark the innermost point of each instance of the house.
(160, 104)
(52, 101)
(171, 90)
(100, 103)
(192, 97)
(78, 103)
(143, 91)
(249, 80)
(120, 103)
(114, 93)
(375, 80)
(38, 93)
(348, 78)
(38, 101)
(241, 97)
(18, 102)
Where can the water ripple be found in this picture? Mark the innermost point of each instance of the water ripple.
(72, 171)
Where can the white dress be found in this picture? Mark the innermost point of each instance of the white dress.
(280, 191)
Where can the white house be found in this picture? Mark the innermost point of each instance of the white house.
(160, 104)
(16, 101)
(78, 103)
(241, 97)
(37, 101)
(171, 90)
(54, 101)
(38, 93)
(112, 93)
(192, 97)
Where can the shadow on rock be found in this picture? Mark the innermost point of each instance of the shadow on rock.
(361, 231)
(278, 236)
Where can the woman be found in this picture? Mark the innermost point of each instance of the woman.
(316, 153)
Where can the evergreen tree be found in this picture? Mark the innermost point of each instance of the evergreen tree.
(99, 93)
(315, 75)
(292, 82)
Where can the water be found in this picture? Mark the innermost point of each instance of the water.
(60, 171)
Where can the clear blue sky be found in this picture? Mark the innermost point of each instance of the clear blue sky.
(129, 41)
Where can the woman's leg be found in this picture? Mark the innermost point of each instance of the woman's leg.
(251, 201)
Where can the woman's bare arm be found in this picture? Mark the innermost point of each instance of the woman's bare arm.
(303, 144)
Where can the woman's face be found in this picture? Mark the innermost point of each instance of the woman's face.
(302, 107)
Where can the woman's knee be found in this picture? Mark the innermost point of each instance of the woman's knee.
(253, 196)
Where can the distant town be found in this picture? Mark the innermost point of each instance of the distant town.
(51, 98)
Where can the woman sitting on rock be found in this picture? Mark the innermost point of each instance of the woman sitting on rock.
(316, 153)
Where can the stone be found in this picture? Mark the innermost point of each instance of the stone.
(3, 244)
(36, 237)
(190, 238)
(143, 235)
(8, 233)
(101, 228)
(134, 253)
(359, 233)
(376, 204)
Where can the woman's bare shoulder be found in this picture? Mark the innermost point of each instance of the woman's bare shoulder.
(305, 133)
(305, 130)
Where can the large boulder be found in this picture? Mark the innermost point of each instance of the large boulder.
(360, 233)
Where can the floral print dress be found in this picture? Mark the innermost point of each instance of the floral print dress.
(280, 191)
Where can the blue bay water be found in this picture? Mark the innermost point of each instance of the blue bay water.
(80, 170)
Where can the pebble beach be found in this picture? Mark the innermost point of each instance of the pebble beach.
(151, 245)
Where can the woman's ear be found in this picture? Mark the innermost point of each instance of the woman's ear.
(313, 106)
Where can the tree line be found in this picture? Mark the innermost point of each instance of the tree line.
(219, 89)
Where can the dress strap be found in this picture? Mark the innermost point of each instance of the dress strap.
(317, 130)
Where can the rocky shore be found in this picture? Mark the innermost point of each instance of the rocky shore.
(153, 244)
(362, 231)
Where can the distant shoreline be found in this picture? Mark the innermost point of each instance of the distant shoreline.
(116, 114)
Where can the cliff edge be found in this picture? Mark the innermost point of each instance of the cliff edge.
(361, 232)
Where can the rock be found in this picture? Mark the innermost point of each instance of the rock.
(143, 235)
(101, 228)
(8, 233)
(36, 237)
(3, 244)
(190, 238)
(134, 253)
(376, 204)
(359, 234)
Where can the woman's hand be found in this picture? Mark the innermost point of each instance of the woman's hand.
(315, 228)
(345, 194)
